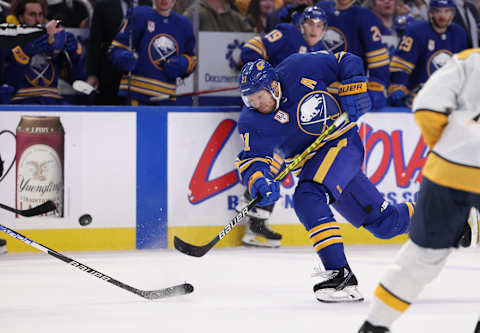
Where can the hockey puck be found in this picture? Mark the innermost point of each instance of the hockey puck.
(85, 219)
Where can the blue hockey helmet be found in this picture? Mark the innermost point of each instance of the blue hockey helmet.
(255, 76)
(441, 4)
(314, 13)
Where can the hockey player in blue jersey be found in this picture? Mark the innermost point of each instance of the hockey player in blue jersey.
(424, 48)
(286, 108)
(163, 44)
(355, 29)
(33, 68)
(288, 38)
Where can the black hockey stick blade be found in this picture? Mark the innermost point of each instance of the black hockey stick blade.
(199, 251)
(194, 250)
(178, 290)
(44, 208)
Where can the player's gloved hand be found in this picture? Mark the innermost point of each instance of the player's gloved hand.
(124, 60)
(397, 98)
(376, 90)
(175, 67)
(268, 188)
(354, 98)
(379, 101)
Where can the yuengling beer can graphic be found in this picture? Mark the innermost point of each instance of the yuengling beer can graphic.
(40, 166)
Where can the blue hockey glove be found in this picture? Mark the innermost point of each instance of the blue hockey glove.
(379, 101)
(267, 188)
(354, 98)
(175, 67)
(124, 60)
(397, 98)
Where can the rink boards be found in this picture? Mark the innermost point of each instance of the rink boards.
(145, 174)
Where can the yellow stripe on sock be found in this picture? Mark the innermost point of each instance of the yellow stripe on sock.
(390, 299)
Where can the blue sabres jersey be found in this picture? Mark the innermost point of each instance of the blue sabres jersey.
(35, 78)
(305, 111)
(284, 40)
(421, 52)
(357, 31)
(155, 39)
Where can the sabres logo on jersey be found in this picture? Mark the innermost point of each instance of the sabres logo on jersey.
(438, 60)
(42, 71)
(335, 40)
(316, 111)
(162, 47)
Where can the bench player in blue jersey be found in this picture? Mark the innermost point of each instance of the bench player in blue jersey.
(289, 38)
(424, 48)
(286, 108)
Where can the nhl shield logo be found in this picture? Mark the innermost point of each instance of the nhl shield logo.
(431, 45)
(281, 116)
(302, 49)
(150, 26)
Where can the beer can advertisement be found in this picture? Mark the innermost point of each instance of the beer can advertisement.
(84, 164)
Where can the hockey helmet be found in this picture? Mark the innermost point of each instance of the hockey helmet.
(255, 76)
(441, 4)
(315, 14)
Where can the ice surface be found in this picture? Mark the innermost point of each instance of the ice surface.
(236, 290)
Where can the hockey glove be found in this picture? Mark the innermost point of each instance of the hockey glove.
(354, 98)
(175, 67)
(397, 98)
(376, 90)
(267, 188)
(59, 40)
(124, 60)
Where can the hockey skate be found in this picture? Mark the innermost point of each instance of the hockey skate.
(369, 328)
(470, 237)
(3, 246)
(257, 233)
(335, 286)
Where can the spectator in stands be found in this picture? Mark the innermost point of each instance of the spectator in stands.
(424, 48)
(257, 13)
(243, 5)
(286, 13)
(33, 68)
(72, 13)
(466, 15)
(218, 15)
(107, 17)
(160, 50)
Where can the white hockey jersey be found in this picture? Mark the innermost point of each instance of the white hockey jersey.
(447, 109)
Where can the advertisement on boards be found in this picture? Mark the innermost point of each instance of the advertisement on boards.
(84, 162)
(204, 187)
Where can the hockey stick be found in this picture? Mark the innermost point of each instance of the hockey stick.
(193, 93)
(199, 251)
(178, 290)
(46, 207)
